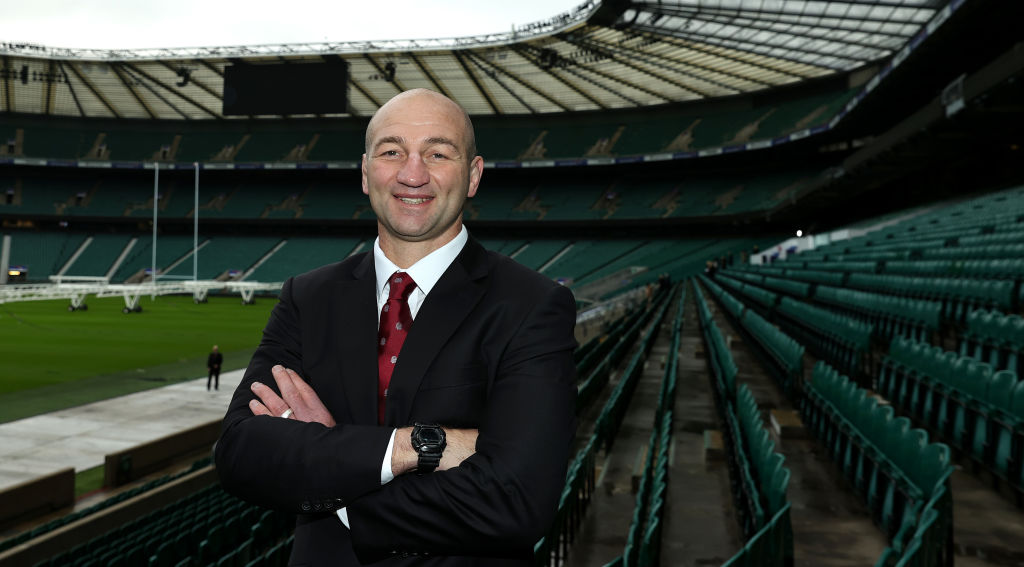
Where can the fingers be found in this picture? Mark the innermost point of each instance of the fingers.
(258, 408)
(286, 379)
(270, 400)
(297, 398)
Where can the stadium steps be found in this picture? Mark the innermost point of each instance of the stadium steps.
(824, 509)
(604, 528)
(699, 519)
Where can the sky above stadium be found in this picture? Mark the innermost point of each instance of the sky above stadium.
(134, 24)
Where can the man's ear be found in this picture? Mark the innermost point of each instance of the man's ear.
(476, 171)
(366, 188)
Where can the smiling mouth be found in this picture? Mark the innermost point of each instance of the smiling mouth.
(416, 201)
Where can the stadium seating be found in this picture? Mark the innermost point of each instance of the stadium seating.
(904, 480)
(99, 256)
(208, 528)
(43, 254)
(575, 499)
(226, 257)
(785, 354)
(169, 249)
(301, 254)
(759, 479)
(963, 401)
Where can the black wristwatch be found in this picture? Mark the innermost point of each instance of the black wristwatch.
(429, 441)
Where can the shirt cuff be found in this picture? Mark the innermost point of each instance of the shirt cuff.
(386, 476)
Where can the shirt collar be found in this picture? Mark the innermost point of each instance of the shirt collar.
(427, 270)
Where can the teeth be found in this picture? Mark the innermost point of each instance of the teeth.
(413, 201)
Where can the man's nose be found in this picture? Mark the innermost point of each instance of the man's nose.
(414, 172)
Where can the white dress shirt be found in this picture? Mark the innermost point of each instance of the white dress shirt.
(425, 273)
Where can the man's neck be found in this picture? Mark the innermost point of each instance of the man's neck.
(404, 254)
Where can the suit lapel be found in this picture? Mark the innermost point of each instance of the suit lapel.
(355, 312)
(447, 305)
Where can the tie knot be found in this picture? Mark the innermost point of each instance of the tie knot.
(401, 285)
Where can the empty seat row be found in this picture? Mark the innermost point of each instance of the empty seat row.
(892, 315)
(958, 295)
(837, 337)
(785, 353)
(995, 338)
(643, 542)
(960, 399)
(900, 476)
(759, 479)
(966, 266)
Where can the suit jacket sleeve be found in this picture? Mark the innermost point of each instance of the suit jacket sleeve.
(501, 500)
(286, 464)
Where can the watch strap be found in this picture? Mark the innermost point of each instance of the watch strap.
(427, 463)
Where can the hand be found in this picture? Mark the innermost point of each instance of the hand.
(460, 444)
(296, 395)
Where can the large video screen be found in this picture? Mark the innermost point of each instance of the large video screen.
(286, 88)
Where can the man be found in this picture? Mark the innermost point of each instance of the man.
(213, 363)
(487, 355)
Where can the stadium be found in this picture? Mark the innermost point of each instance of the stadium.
(794, 231)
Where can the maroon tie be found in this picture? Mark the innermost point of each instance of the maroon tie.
(395, 320)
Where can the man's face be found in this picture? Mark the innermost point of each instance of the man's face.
(417, 171)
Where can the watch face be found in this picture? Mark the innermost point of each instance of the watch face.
(430, 436)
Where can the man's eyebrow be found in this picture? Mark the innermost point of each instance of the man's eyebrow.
(389, 140)
(442, 140)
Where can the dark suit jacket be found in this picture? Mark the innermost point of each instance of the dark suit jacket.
(491, 348)
(214, 360)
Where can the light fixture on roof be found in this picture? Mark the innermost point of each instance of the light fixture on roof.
(185, 73)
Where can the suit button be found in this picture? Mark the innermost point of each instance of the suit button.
(306, 507)
(329, 505)
(317, 506)
(339, 503)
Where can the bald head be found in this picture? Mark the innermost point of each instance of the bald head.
(435, 100)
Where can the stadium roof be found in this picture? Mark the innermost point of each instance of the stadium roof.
(598, 56)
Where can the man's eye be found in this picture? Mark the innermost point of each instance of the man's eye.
(438, 155)
(389, 153)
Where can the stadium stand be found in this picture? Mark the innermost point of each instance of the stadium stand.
(43, 254)
(895, 342)
(301, 254)
(170, 249)
(98, 256)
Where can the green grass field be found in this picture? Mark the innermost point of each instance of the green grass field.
(54, 358)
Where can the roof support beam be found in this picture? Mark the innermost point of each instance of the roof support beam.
(176, 92)
(612, 54)
(476, 82)
(483, 66)
(92, 88)
(818, 32)
(689, 13)
(48, 92)
(127, 79)
(762, 48)
(200, 84)
(697, 47)
(394, 80)
(8, 90)
(429, 74)
(528, 54)
(677, 66)
(71, 89)
(517, 78)
(365, 93)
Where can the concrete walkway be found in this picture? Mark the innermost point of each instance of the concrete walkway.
(82, 436)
